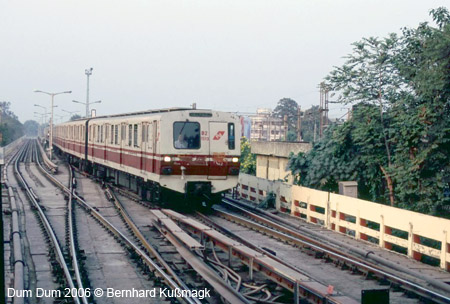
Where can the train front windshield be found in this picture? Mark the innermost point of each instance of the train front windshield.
(186, 135)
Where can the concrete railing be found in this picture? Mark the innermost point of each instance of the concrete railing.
(12, 146)
(413, 233)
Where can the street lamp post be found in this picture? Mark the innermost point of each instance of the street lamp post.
(88, 73)
(41, 117)
(51, 119)
(45, 111)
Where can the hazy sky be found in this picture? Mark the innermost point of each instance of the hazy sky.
(224, 55)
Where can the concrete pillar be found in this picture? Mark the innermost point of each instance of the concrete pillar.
(358, 227)
(381, 239)
(444, 250)
(410, 240)
(328, 213)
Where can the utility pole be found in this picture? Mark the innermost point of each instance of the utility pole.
(88, 73)
(315, 130)
(299, 123)
(285, 127)
(323, 108)
(51, 118)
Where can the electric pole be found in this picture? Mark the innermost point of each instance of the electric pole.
(88, 73)
(323, 108)
(299, 123)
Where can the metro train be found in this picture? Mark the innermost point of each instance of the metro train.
(164, 155)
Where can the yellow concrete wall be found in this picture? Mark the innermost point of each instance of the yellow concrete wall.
(350, 216)
(272, 168)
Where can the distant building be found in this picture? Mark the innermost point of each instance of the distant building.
(246, 125)
(264, 127)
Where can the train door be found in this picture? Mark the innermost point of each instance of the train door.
(144, 146)
(155, 145)
(123, 128)
(105, 129)
(92, 139)
(218, 144)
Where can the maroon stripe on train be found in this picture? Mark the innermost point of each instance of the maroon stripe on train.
(194, 164)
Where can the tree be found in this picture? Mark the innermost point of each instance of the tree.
(248, 160)
(309, 118)
(396, 145)
(30, 128)
(75, 117)
(288, 107)
(346, 152)
(10, 127)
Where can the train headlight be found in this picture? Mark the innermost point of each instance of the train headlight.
(235, 159)
(167, 159)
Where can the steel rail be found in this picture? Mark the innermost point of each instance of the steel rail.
(47, 225)
(128, 221)
(72, 249)
(19, 278)
(219, 285)
(150, 263)
(52, 166)
(288, 234)
(300, 284)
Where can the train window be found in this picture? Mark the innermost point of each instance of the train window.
(112, 135)
(130, 133)
(231, 137)
(122, 132)
(101, 134)
(186, 135)
(116, 134)
(144, 130)
(135, 136)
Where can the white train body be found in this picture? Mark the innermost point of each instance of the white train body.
(183, 150)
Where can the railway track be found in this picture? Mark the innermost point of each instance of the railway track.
(420, 285)
(47, 226)
(169, 280)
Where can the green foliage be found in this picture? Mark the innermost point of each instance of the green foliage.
(248, 160)
(288, 107)
(397, 143)
(75, 117)
(309, 118)
(291, 136)
(10, 127)
(30, 128)
(345, 153)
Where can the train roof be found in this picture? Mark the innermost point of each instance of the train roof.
(144, 113)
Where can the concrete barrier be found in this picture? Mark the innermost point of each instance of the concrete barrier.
(416, 233)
